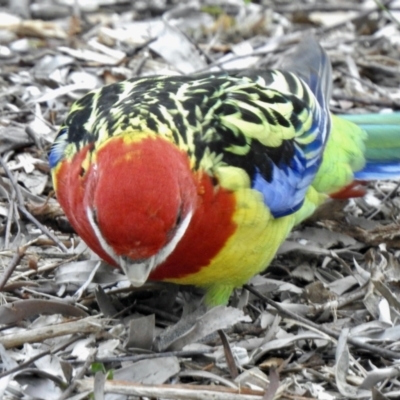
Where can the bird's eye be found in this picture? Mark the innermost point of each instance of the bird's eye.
(94, 214)
(82, 171)
(179, 217)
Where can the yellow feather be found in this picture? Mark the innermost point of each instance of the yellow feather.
(248, 251)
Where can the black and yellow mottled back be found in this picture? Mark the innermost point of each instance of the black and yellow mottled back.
(268, 123)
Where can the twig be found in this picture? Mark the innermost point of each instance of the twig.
(79, 293)
(13, 264)
(85, 325)
(14, 183)
(388, 354)
(162, 314)
(176, 392)
(10, 218)
(210, 376)
(31, 218)
(25, 212)
(341, 302)
(79, 376)
(135, 358)
(44, 268)
(31, 133)
(384, 200)
(21, 366)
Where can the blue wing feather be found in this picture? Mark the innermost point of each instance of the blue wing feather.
(57, 149)
(285, 193)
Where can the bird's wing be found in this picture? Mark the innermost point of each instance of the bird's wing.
(268, 127)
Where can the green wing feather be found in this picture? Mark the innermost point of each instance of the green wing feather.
(343, 155)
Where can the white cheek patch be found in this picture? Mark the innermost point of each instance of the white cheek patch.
(162, 255)
(104, 245)
(138, 272)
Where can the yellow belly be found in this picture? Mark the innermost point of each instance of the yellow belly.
(251, 248)
(248, 251)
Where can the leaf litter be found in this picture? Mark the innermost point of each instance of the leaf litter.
(322, 322)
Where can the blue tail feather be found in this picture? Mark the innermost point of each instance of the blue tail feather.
(377, 170)
(382, 152)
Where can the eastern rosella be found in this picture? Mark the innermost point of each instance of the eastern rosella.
(199, 179)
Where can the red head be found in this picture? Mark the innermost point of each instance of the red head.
(131, 202)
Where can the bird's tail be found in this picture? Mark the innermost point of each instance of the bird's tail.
(360, 148)
(382, 145)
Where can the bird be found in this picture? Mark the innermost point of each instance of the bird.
(198, 179)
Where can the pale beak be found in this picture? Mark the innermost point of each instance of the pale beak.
(138, 272)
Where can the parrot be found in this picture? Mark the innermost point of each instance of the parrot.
(198, 179)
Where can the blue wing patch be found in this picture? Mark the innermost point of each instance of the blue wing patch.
(280, 195)
(58, 148)
(285, 192)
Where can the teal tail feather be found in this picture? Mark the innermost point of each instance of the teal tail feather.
(382, 152)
